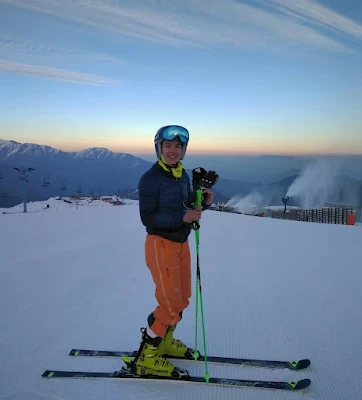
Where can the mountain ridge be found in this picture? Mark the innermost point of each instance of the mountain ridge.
(98, 170)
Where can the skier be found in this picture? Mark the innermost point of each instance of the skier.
(164, 191)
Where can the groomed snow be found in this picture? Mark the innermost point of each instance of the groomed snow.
(75, 276)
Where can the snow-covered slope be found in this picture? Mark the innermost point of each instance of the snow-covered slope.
(76, 277)
(65, 202)
(97, 153)
(7, 146)
(29, 149)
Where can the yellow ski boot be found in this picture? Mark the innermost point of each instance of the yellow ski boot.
(150, 362)
(174, 347)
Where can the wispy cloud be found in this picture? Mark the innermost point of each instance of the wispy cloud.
(10, 67)
(321, 15)
(15, 44)
(208, 23)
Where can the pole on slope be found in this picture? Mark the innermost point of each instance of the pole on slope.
(199, 293)
(23, 176)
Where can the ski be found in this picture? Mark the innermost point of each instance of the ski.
(293, 365)
(222, 382)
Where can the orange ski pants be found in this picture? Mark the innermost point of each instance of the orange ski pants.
(170, 266)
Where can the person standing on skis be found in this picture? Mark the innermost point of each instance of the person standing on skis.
(164, 191)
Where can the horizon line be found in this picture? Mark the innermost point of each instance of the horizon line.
(202, 153)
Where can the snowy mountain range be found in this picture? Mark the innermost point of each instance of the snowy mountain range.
(11, 151)
(92, 170)
(99, 171)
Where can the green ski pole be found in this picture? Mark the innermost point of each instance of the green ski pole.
(199, 293)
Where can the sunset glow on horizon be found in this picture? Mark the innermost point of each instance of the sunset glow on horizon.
(201, 146)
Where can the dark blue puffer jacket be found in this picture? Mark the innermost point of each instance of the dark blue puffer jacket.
(161, 203)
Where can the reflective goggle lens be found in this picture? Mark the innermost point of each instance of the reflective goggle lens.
(172, 132)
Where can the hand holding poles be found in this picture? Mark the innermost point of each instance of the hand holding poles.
(202, 181)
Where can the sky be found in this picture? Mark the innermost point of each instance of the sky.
(245, 77)
(74, 286)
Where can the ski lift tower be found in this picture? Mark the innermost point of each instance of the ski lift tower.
(23, 176)
(46, 181)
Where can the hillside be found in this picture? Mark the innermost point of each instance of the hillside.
(100, 171)
(76, 277)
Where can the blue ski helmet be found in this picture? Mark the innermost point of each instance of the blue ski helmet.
(171, 132)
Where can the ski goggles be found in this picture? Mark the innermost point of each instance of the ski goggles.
(171, 132)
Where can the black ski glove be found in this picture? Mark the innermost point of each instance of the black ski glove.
(203, 179)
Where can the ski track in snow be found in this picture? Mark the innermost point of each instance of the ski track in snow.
(271, 289)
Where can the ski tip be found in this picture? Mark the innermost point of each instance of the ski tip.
(298, 385)
(74, 352)
(300, 364)
(48, 374)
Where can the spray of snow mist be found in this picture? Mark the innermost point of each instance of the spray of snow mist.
(246, 204)
(316, 184)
